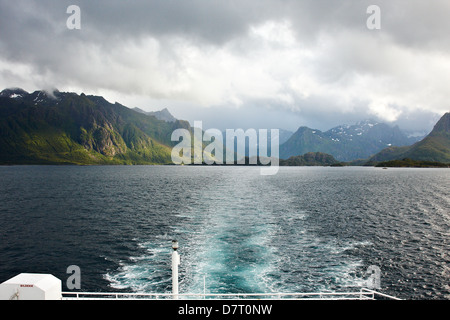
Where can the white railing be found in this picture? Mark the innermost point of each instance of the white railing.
(363, 294)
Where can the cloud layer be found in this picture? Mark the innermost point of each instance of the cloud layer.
(239, 63)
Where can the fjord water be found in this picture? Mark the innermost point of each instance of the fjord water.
(304, 229)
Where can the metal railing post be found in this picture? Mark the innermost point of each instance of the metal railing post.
(175, 263)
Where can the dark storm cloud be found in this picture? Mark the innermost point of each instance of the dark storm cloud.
(313, 61)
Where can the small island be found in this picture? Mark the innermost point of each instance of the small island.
(311, 159)
(410, 163)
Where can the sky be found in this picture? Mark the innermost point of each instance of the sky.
(239, 64)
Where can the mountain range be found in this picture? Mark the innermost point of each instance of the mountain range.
(346, 142)
(66, 128)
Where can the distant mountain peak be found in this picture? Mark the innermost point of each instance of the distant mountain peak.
(13, 93)
(443, 125)
(37, 96)
(164, 114)
(41, 96)
(434, 147)
(367, 122)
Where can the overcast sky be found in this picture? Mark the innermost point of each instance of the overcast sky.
(239, 64)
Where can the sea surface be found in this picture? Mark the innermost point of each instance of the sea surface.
(304, 229)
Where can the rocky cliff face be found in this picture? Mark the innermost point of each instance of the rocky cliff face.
(57, 127)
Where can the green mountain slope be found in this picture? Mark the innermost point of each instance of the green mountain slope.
(66, 128)
(434, 147)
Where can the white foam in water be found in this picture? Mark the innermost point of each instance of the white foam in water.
(204, 258)
(143, 273)
(217, 254)
(236, 244)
